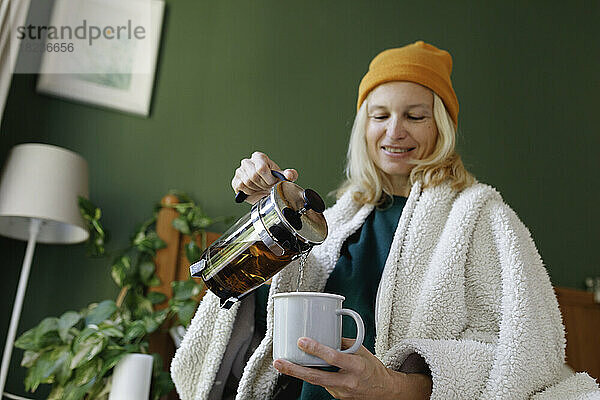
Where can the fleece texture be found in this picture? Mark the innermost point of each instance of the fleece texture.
(463, 286)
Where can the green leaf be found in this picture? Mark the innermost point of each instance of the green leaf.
(150, 324)
(134, 331)
(154, 281)
(118, 274)
(181, 224)
(161, 380)
(153, 322)
(146, 269)
(66, 322)
(149, 242)
(161, 385)
(111, 350)
(101, 312)
(75, 392)
(86, 372)
(157, 363)
(192, 252)
(43, 335)
(27, 341)
(120, 270)
(110, 362)
(202, 222)
(133, 347)
(92, 214)
(111, 331)
(143, 307)
(29, 358)
(48, 364)
(34, 377)
(139, 236)
(185, 205)
(100, 390)
(87, 209)
(95, 247)
(110, 323)
(185, 311)
(157, 242)
(160, 316)
(86, 346)
(47, 325)
(57, 393)
(100, 233)
(63, 373)
(85, 334)
(185, 289)
(47, 333)
(156, 297)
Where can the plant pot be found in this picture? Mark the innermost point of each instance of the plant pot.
(131, 378)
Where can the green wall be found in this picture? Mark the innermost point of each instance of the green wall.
(234, 77)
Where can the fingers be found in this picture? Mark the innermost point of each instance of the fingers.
(291, 174)
(361, 375)
(310, 375)
(250, 176)
(347, 343)
(254, 177)
(263, 166)
(326, 353)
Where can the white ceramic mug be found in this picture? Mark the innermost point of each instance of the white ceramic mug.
(310, 314)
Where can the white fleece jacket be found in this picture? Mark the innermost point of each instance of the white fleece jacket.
(463, 286)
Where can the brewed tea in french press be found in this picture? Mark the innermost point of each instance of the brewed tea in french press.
(281, 227)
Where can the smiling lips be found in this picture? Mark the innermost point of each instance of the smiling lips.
(397, 150)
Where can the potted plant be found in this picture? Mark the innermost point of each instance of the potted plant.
(77, 351)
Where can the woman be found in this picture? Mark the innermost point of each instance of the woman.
(456, 301)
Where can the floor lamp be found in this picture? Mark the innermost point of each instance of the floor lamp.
(38, 203)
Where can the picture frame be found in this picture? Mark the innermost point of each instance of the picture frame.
(126, 87)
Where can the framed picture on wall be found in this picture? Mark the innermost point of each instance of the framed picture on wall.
(103, 52)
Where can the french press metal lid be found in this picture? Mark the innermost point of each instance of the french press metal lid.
(290, 219)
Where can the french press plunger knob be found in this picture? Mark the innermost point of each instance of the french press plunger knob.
(312, 201)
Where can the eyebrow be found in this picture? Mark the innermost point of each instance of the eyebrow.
(419, 105)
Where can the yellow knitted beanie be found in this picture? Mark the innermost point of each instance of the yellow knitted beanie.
(418, 62)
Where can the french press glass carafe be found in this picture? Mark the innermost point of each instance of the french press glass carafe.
(280, 227)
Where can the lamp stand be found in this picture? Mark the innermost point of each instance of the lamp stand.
(34, 229)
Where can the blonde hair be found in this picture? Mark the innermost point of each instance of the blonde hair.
(368, 183)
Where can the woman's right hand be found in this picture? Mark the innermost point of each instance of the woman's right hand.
(254, 177)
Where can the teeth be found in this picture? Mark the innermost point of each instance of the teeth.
(394, 150)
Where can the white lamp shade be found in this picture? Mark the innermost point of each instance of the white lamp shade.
(43, 181)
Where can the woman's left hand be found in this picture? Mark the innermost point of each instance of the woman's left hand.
(361, 375)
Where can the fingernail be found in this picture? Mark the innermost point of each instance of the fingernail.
(277, 364)
(303, 342)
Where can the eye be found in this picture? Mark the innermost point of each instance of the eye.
(379, 117)
(415, 117)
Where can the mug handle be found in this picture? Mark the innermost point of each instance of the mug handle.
(360, 329)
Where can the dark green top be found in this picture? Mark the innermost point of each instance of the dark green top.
(356, 276)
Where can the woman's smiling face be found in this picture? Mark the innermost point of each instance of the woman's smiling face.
(400, 127)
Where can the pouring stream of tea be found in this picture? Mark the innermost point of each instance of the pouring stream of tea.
(303, 258)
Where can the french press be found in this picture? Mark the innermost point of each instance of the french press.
(280, 227)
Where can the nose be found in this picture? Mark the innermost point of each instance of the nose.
(396, 129)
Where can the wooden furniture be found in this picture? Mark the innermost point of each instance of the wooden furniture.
(171, 265)
(581, 315)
